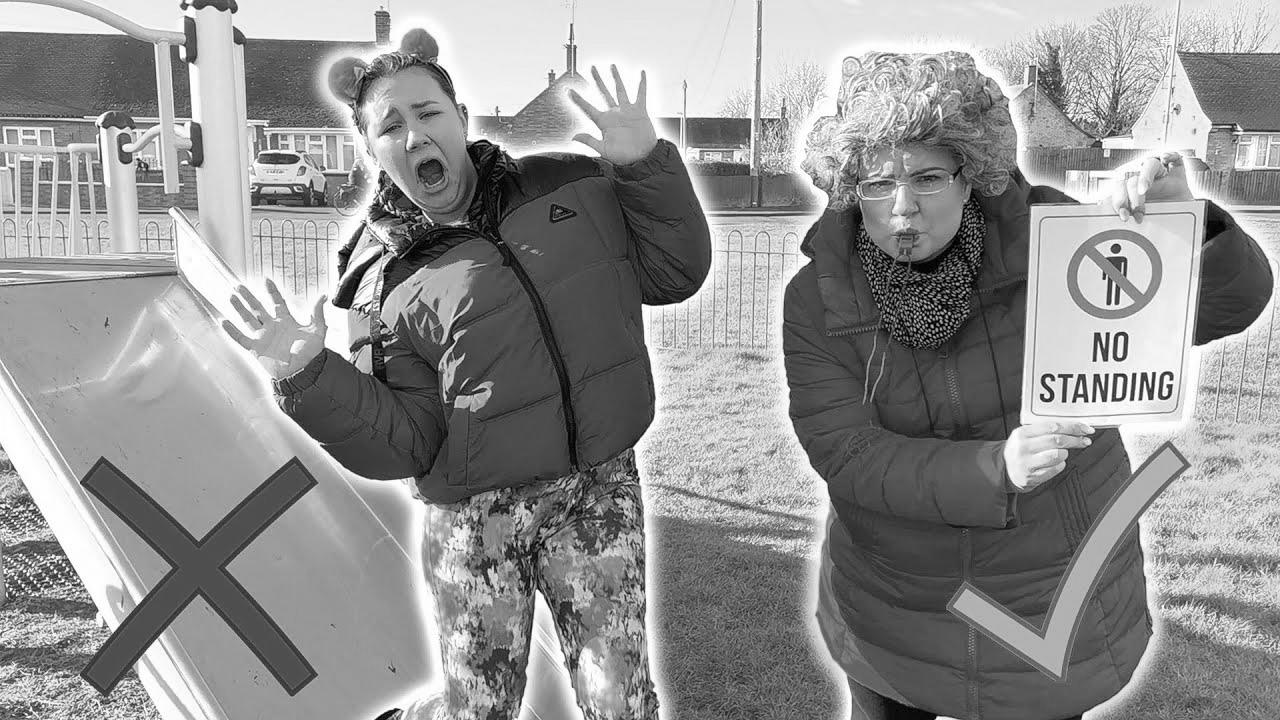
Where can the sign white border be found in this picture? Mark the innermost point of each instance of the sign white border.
(1190, 378)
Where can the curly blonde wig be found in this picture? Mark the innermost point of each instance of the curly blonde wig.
(888, 101)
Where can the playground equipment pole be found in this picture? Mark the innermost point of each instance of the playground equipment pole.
(216, 133)
(115, 130)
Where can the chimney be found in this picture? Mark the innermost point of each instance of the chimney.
(382, 27)
(551, 78)
(571, 54)
(1032, 75)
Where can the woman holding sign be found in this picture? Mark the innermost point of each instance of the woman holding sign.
(903, 341)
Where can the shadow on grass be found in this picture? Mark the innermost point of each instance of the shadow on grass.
(732, 628)
(1241, 562)
(1264, 619)
(785, 516)
(1191, 675)
(44, 658)
(42, 605)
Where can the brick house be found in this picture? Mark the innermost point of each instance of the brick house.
(1040, 122)
(1225, 107)
(57, 102)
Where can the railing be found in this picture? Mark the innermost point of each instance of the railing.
(738, 307)
(740, 303)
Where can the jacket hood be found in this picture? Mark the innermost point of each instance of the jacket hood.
(843, 285)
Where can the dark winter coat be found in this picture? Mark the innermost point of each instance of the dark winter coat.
(513, 352)
(918, 482)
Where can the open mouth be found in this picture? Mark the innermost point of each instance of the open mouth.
(431, 174)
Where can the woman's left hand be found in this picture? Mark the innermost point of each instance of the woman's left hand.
(626, 130)
(1162, 178)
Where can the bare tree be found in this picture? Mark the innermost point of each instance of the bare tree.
(790, 95)
(801, 85)
(738, 103)
(1127, 63)
(1074, 55)
(1241, 27)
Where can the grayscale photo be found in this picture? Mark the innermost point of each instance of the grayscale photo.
(594, 360)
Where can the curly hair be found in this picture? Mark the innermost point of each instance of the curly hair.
(388, 64)
(888, 101)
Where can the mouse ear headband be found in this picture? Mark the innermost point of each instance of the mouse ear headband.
(347, 75)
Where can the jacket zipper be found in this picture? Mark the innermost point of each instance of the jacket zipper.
(971, 663)
(548, 336)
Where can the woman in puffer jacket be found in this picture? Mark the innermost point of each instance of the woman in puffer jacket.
(903, 343)
(498, 357)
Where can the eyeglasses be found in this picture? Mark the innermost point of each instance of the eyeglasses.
(929, 182)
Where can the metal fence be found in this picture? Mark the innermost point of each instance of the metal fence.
(738, 307)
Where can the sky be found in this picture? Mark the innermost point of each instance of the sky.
(499, 51)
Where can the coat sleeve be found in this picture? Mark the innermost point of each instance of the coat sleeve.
(669, 237)
(1235, 278)
(379, 431)
(927, 479)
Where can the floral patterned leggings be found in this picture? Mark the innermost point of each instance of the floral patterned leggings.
(580, 541)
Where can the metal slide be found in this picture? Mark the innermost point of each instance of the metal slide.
(120, 358)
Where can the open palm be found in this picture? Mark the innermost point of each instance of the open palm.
(279, 342)
(627, 133)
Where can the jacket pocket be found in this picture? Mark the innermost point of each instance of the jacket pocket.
(459, 444)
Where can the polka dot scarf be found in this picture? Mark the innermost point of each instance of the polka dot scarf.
(923, 304)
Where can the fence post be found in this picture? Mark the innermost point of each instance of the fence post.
(115, 129)
(217, 151)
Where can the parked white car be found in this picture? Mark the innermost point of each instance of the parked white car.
(286, 175)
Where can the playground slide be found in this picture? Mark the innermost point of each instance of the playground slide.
(152, 446)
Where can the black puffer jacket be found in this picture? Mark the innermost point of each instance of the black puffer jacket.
(514, 351)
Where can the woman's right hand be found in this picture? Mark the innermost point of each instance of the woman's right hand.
(282, 344)
(1036, 453)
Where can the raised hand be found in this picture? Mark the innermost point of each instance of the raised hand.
(1162, 178)
(627, 133)
(280, 343)
(1036, 453)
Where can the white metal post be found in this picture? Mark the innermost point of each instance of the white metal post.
(242, 124)
(115, 129)
(164, 100)
(220, 173)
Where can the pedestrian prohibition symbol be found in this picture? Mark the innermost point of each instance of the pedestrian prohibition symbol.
(1118, 282)
(1111, 311)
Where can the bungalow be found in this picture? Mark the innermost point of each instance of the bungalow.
(57, 102)
(1224, 107)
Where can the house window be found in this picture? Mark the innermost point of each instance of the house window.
(334, 150)
(717, 156)
(1258, 151)
(30, 136)
(1244, 151)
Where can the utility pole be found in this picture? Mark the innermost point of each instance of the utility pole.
(684, 120)
(755, 113)
(1173, 71)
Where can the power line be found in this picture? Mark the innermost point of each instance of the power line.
(693, 47)
(728, 21)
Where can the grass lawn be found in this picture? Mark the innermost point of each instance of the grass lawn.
(733, 512)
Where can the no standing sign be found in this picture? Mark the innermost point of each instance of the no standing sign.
(1111, 310)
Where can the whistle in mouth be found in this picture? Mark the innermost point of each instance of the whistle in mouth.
(907, 240)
